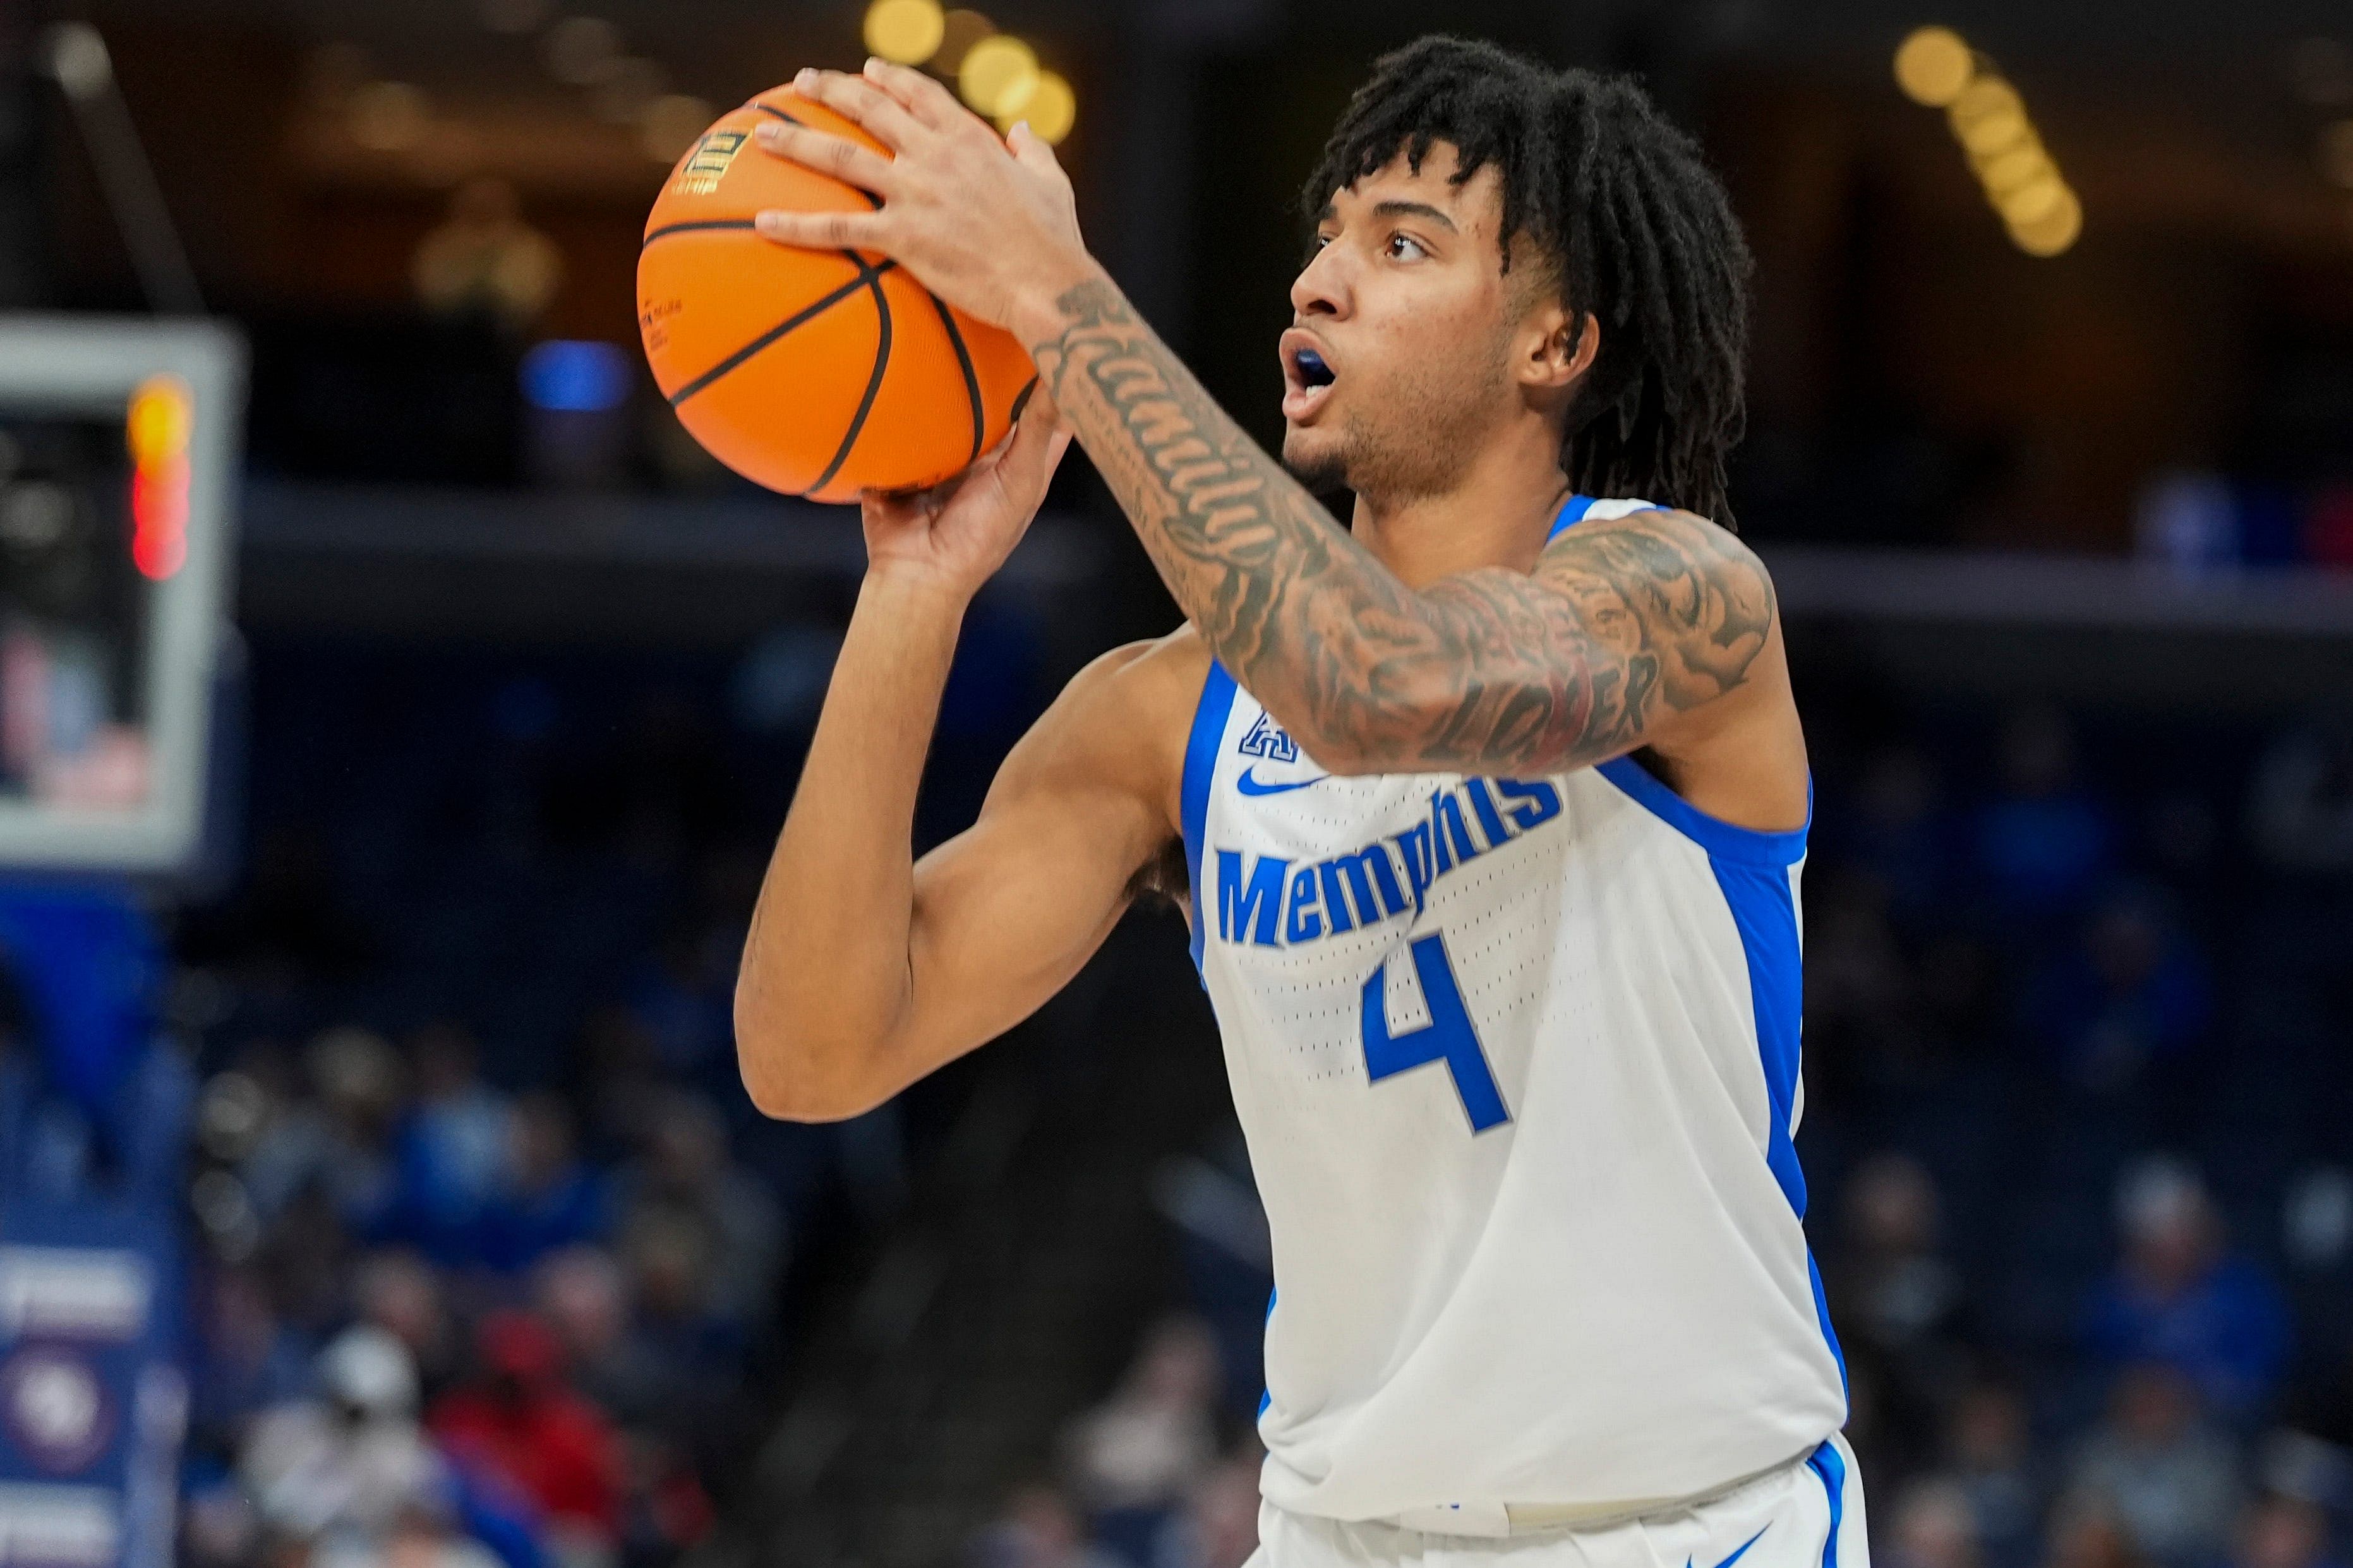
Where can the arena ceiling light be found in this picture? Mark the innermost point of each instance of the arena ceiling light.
(1937, 69)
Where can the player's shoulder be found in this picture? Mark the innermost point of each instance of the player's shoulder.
(1144, 682)
(1123, 720)
(1638, 541)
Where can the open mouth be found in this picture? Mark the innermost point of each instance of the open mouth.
(1307, 376)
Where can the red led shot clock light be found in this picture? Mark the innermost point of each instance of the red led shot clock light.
(156, 429)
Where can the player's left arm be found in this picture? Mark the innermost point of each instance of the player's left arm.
(1625, 630)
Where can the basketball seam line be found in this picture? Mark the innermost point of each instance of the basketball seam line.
(865, 276)
(701, 225)
(971, 378)
(874, 382)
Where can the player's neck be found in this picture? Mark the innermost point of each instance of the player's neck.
(1496, 517)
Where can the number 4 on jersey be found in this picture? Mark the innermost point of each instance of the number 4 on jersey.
(1447, 1036)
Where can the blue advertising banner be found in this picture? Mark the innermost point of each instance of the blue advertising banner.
(92, 1397)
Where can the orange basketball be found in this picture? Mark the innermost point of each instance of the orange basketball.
(815, 373)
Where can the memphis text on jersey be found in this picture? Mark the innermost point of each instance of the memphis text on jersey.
(1269, 901)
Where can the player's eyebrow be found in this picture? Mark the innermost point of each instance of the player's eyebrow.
(1414, 209)
(1394, 209)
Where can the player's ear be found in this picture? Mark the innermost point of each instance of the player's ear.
(1561, 346)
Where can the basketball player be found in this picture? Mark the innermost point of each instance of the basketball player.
(1487, 808)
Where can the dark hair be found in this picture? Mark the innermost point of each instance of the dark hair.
(1624, 208)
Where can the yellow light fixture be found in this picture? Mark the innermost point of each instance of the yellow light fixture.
(2014, 168)
(1052, 109)
(998, 75)
(1933, 65)
(2033, 203)
(2054, 230)
(907, 31)
(960, 29)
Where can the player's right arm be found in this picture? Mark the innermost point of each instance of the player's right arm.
(864, 970)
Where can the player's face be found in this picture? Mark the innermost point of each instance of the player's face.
(1394, 367)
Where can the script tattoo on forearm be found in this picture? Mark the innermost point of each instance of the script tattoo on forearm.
(1624, 622)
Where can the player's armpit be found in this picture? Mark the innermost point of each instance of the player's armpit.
(1627, 629)
(1006, 911)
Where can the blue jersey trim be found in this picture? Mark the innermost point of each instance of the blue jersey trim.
(1826, 1463)
(1572, 513)
(1723, 840)
(1266, 1395)
(1209, 716)
(1765, 912)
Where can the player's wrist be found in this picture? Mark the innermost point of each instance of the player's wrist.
(917, 589)
(1038, 314)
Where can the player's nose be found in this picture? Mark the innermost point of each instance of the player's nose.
(1322, 288)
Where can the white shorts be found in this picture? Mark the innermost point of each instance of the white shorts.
(1808, 1514)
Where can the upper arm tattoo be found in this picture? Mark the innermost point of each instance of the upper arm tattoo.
(1624, 623)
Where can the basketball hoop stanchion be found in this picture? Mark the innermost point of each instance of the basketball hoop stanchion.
(118, 450)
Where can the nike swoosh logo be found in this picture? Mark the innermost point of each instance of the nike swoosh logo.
(1737, 1554)
(1249, 785)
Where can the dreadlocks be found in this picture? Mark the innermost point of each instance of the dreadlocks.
(1633, 226)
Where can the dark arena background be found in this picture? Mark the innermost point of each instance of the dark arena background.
(397, 709)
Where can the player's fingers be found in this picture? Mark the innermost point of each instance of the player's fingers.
(822, 231)
(918, 94)
(855, 98)
(837, 156)
(1037, 448)
(1031, 149)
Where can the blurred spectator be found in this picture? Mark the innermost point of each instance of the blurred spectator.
(1990, 1459)
(485, 259)
(338, 1472)
(343, 1145)
(549, 1197)
(520, 1422)
(1038, 1528)
(2300, 801)
(1133, 1457)
(686, 1177)
(1901, 833)
(246, 1360)
(454, 1150)
(2043, 838)
(1900, 1298)
(2134, 993)
(683, 995)
(1934, 1527)
(2088, 1532)
(2169, 1478)
(580, 1294)
(2280, 1531)
(1218, 1526)
(680, 1343)
(421, 1537)
(1901, 1293)
(399, 1292)
(2178, 1296)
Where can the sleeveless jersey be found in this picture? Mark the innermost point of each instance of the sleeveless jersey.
(1517, 1063)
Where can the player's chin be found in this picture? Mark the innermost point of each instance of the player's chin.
(1315, 459)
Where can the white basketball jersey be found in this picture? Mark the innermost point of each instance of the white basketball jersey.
(1517, 1060)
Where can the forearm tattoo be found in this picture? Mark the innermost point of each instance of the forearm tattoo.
(1623, 623)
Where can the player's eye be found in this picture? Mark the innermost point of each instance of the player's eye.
(1412, 248)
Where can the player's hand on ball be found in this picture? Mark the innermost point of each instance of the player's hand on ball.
(976, 228)
(956, 534)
